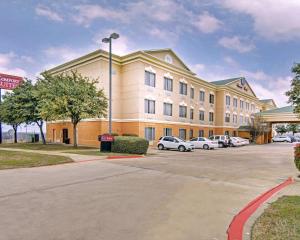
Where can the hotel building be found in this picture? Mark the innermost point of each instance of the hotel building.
(155, 94)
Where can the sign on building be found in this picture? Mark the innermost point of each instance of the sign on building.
(9, 82)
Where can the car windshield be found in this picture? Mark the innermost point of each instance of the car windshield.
(179, 139)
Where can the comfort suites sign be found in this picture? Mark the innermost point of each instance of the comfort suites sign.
(9, 82)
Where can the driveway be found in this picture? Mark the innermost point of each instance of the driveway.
(166, 196)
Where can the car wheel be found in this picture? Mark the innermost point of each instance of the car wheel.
(160, 147)
(221, 145)
(205, 146)
(181, 148)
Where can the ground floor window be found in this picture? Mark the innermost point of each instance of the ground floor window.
(201, 133)
(150, 133)
(234, 133)
(182, 133)
(167, 131)
(227, 133)
(191, 133)
(210, 133)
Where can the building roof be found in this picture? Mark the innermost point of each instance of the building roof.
(225, 81)
(286, 109)
(266, 100)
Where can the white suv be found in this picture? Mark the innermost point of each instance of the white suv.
(281, 139)
(170, 142)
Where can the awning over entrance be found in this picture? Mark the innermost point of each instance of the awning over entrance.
(280, 115)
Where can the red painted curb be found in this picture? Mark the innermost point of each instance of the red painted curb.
(120, 157)
(235, 229)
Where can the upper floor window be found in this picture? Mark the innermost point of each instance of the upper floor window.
(211, 98)
(182, 88)
(202, 96)
(241, 104)
(252, 107)
(168, 84)
(227, 100)
(247, 106)
(201, 115)
(227, 117)
(191, 113)
(150, 79)
(235, 102)
(168, 109)
(192, 93)
(211, 116)
(149, 106)
(182, 111)
(234, 118)
(241, 119)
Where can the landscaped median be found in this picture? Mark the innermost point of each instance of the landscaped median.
(17, 159)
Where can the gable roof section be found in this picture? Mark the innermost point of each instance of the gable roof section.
(286, 109)
(153, 51)
(225, 81)
(268, 101)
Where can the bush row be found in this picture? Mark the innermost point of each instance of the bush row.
(129, 144)
(297, 156)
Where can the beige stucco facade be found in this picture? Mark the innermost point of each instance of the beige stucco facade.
(130, 92)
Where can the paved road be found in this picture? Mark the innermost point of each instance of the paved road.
(167, 196)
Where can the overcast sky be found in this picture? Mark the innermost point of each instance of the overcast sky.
(217, 39)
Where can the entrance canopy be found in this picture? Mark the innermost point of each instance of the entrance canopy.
(280, 115)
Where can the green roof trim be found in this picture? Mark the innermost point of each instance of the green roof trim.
(226, 81)
(286, 109)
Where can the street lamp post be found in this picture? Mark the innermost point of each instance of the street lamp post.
(109, 40)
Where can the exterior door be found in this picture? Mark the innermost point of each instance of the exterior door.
(65, 135)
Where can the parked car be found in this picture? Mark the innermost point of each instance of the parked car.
(295, 138)
(236, 142)
(281, 139)
(202, 142)
(244, 141)
(170, 142)
(223, 140)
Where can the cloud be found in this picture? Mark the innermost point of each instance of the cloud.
(62, 53)
(207, 23)
(6, 60)
(236, 43)
(48, 13)
(273, 19)
(230, 61)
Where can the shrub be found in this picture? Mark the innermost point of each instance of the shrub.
(297, 156)
(127, 144)
(129, 135)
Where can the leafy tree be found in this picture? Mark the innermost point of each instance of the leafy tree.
(257, 127)
(70, 96)
(27, 101)
(293, 127)
(9, 113)
(281, 129)
(294, 92)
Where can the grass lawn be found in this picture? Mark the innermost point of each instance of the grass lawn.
(280, 221)
(11, 159)
(40, 146)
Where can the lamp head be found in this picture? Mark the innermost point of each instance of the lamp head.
(114, 36)
(105, 40)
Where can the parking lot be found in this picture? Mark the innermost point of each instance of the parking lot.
(166, 195)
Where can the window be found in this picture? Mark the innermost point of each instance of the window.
(235, 102)
(150, 133)
(191, 113)
(211, 116)
(182, 133)
(247, 106)
(191, 133)
(167, 109)
(202, 96)
(234, 118)
(241, 119)
(192, 93)
(167, 131)
(234, 133)
(183, 88)
(246, 120)
(252, 107)
(201, 133)
(149, 106)
(228, 100)
(227, 117)
(210, 133)
(168, 84)
(182, 111)
(150, 79)
(226, 133)
(211, 98)
(201, 115)
(241, 104)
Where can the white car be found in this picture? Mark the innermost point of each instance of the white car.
(281, 139)
(170, 142)
(236, 142)
(244, 141)
(202, 142)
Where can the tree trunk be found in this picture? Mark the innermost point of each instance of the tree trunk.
(15, 134)
(75, 135)
(41, 131)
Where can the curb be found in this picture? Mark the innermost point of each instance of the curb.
(235, 229)
(123, 157)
